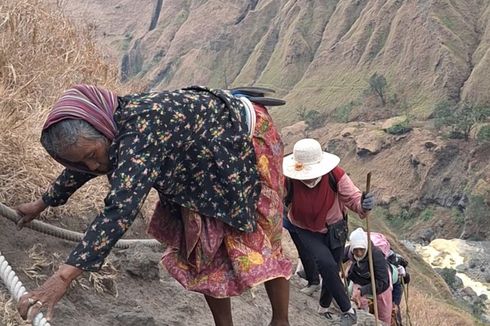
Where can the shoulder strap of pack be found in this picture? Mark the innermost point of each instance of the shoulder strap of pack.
(332, 181)
(289, 192)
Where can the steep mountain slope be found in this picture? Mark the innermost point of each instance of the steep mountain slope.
(318, 54)
(43, 54)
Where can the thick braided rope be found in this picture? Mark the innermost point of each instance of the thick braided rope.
(68, 234)
(16, 289)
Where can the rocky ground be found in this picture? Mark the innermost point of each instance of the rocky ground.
(135, 291)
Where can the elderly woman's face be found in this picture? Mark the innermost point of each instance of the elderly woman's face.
(91, 153)
(359, 252)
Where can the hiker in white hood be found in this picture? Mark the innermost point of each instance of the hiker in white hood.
(360, 275)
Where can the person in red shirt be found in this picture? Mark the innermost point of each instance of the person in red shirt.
(318, 215)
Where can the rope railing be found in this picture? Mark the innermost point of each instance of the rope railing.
(69, 235)
(16, 289)
(12, 282)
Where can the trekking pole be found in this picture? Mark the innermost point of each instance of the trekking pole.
(344, 278)
(370, 255)
(405, 294)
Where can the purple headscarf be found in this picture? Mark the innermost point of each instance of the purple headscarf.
(90, 103)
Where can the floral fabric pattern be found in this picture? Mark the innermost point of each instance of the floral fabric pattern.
(191, 145)
(207, 256)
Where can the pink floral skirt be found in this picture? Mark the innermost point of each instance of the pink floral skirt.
(207, 256)
(384, 302)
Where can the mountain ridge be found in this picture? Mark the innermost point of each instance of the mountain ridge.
(317, 54)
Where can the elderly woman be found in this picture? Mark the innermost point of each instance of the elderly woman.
(215, 161)
(361, 277)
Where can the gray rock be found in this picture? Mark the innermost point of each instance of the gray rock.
(370, 143)
(414, 160)
(458, 282)
(474, 262)
(141, 262)
(486, 277)
(460, 268)
(430, 145)
(347, 132)
(425, 235)
(392, 122)
(469, 292)
(463, 202)
(134, 318)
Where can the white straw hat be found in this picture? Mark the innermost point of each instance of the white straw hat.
(308, 161)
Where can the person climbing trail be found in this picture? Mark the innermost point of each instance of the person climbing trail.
(317, 214)
(215, 160)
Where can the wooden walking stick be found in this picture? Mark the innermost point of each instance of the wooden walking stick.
(370, 254)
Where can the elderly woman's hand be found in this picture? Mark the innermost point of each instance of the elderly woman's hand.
(356, 296)
(48, 294)
(29, 211)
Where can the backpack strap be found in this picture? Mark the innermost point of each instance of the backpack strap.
(394, 273)
(289, 192)
(332, 182)
(252, 91)
(257, 95)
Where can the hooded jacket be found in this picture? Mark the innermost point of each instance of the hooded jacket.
(359, 271)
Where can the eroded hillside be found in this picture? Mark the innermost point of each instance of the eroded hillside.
(44, 53)
(318, 54)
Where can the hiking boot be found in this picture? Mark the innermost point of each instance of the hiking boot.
(310, 289)
(348, 318)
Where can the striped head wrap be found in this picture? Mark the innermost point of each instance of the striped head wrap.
(90, 103)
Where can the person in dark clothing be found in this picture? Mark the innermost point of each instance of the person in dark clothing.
(403, 278)
(360, 275)
(317, 213)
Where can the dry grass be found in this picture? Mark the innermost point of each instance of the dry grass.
(425, 309)
(41, 54)
(8, 312)
(103, 281)
(42, 263)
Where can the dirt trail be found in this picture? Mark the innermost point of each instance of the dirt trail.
(146, 295)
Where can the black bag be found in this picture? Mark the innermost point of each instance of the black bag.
(337, 234)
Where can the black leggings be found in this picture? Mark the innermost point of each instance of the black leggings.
(307, 259)
(328, 262)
